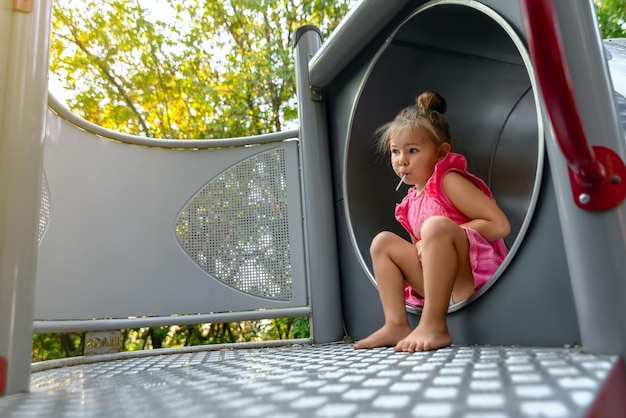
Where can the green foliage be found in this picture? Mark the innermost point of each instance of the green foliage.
(611, 18)
(216, 69)
(57, 345)
(288, 328)
(62, 345)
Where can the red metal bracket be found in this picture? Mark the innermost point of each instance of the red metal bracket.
(597, 174)
(610, 191)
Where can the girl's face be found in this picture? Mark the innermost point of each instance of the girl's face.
(414, 155)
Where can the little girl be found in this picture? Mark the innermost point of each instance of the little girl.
(456, 230)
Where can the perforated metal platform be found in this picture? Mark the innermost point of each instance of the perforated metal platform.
(323, 381)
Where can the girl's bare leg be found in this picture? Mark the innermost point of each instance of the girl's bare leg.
(446, 266)
(393, 258)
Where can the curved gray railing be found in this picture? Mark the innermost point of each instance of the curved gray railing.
(161, 321)
(87, 126)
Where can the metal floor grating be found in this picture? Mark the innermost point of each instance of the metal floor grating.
(323, 381)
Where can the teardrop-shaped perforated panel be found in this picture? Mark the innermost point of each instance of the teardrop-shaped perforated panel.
(236, 227)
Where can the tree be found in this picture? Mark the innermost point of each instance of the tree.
(611, 18)
(213, 69)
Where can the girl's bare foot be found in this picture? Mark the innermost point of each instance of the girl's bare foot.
(387, 336)
(424, 338)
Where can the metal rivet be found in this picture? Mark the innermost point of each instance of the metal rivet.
(616, 179)
(584, 198)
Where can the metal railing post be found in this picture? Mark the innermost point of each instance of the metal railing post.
(322, 267)
(24, 45)
(595, 241)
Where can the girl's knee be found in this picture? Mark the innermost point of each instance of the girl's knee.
(438, 227)
(381, 241)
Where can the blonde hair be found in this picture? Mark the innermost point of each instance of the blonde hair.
(427, 112)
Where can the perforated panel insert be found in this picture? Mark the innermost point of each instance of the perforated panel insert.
(236, 227)
(44, 209)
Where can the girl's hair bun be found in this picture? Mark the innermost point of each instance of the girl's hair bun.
(431, 100)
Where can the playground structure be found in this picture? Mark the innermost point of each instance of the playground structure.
(113, 232)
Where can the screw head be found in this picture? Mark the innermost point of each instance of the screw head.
(584, 198)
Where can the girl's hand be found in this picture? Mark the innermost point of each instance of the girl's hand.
(484, 214)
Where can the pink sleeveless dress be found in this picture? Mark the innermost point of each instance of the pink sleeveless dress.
(415, 208)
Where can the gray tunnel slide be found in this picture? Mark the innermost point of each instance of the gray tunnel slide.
(473, 55)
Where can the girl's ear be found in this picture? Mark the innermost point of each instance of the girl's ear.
(444, 149)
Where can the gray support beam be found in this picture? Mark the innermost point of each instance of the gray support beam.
(24, 48)
(322, 267)
(595, 242)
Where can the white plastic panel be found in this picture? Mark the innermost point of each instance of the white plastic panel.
(115, 243)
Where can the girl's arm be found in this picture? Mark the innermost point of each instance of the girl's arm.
(486, 217)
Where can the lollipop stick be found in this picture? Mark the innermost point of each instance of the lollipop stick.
(400, 184)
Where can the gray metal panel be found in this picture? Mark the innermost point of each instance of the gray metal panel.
(513, 161)
(466, 31)
(112, 235)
